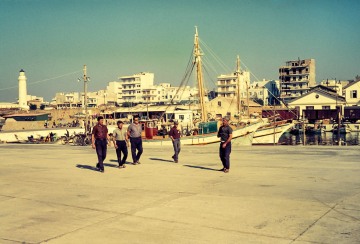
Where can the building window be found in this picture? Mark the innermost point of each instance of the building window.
(353, 94)
(326, 107)
(309, 107)
(181, 117)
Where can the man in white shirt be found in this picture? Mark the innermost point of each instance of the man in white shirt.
(120, 140)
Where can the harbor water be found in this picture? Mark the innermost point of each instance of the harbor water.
(327, 138)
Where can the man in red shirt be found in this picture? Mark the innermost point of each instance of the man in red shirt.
(175, 135)
(100, 139)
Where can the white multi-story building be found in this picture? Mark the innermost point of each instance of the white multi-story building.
(227, 85)
(258, 91)
(133, 85)
(266, 90)
(114, 92)
(67, 100)
(166, 93)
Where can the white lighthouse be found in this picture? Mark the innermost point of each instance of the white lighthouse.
(22, 90)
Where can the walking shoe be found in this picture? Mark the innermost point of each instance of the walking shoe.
(226, 170)
(176, 161)
(138, 162)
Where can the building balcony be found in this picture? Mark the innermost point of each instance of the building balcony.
(226, 92)
(303, 81)
(128, 95)
(148, 95)
(284, 96)
(293, 74)
(226, 84)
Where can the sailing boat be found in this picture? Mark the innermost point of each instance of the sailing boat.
(241, 135)
(270, 132)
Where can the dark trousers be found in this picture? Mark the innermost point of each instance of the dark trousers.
(225, 155)
(136, 144)
(177, 148)
(121, 148)
(101, 146)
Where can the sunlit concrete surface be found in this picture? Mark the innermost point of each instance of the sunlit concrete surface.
(281, 194)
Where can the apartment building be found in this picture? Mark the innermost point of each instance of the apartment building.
(67, 100)
(166, 93)
(265, 92)
(133, 86)
(227, 85)
(114, 92)
(296, 78)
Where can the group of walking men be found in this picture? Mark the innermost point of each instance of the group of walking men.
(123, 138)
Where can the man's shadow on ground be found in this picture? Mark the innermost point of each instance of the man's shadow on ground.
(84, 166)
(89, 167)
(200, 167)
(115, 165)
(161, 159)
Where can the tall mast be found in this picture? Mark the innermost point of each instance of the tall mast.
(86, 79)
(238, 71)
(199, 77)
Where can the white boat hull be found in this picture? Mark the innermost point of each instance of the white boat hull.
(270, 135)
(241, 136)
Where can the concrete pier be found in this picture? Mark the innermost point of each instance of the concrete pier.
(281, 194)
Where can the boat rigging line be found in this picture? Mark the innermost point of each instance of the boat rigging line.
(40, 81)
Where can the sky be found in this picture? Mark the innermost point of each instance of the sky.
(52, 39)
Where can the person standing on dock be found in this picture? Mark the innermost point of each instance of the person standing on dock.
(99, 141)
(225, 134)
(175, 137)
(120, 140)
(134, 133)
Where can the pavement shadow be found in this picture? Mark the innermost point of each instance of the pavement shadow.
(84, 166)
(200, 167)
(111, 165)
(163, 160)
(115, 161)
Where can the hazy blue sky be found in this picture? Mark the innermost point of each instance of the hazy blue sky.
(50, 38)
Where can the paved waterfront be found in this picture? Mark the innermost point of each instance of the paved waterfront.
(282, 194)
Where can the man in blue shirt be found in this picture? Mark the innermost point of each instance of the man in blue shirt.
(225, 134)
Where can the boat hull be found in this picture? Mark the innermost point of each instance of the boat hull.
(271, 134)
(241, 136)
